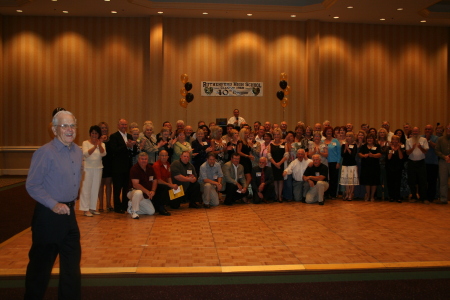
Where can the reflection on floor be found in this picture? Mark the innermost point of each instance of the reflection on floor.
(264, 237)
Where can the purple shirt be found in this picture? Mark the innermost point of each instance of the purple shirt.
(55, 173)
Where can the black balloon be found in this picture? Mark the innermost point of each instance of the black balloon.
(283, 84)
(189, 97)
(280, 95)
(188, 86)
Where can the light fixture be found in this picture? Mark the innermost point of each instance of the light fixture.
(382, 19)
(160, 12)
(107, 0)
(423, 21)
(400, 8)
(205, 13)
(65, 11)
(349, 6)
(293, 16)
(19, 10)
(336, 17)
(249, 15)
(114, 12)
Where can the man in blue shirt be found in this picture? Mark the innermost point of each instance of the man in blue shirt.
(210, 180)
(53, 181)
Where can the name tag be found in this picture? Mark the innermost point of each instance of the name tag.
(254, 146)
(189, 172)
(224, 142)
(334, 144)
(258, 174)
(373, 148)
(150, 178)
(282, 146)
(317, 173)
(402, 146)
(205, 143)
(350, 146)
(391, 151)
(215, 177)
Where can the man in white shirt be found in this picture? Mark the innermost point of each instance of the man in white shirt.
(416, 148)
(236, 120)
(387, 126)
(297, 168)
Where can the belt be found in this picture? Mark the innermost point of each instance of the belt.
(69, 204)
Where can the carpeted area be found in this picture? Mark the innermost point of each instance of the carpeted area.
(17, 210)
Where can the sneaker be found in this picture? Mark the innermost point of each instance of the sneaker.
(135, 216)
(130, 208)
(88, 214)
(94, 212)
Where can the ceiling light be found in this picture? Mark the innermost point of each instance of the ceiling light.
(400, 8)
(107, 0)
(249, 15)
(205, 13)
(382, 19)
(336, 17)
(19, 10)
(293, 16)
(349, 6)
(423, 21)
(160, 12)
(114, 12)
(65, 11)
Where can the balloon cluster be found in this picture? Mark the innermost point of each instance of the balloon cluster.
(285, 90)
(187, 97)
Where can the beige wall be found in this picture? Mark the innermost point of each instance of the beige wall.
(106, 68)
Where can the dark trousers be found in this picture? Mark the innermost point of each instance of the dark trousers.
(394, 177)
(334, 174)
(268, 193)
(192, 195)
(120, 186)
(54, 234)
(417, 175)
(232, 195)
(432, 176)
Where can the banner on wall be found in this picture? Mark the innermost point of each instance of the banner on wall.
(231, 88)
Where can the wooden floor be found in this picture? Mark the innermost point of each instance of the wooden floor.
(249, 237)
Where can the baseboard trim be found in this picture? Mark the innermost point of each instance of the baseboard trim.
(14, 172)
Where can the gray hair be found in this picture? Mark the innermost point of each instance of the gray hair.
(55, 117)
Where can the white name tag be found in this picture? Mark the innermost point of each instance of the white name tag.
(215, 177)
(334, 144)
(205, 143)
(189, 172)
(282, 146)
(374, 148)
(239, 191)
(350, 146)
(258, 174)
(150, 178)
(317, 174)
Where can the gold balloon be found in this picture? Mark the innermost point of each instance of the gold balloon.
(287, 90)
(283, 76)
(183, 92)
(284, 102)
(184, 78)
(183, 103)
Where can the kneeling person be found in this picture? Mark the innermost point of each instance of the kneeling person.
(262, 182)
(316, 181)
(143, 185)
(211, 180)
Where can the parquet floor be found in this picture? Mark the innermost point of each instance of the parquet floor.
(249, 237)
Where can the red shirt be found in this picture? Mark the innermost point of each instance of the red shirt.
(146, 177)
(161, 171)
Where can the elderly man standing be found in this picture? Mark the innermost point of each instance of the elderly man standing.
(316, 181)
(443, 151)
(297, 168)
(184, 174)
(120, 143)
(143, 184)
(262, 182)
(235, 183)
(387, 126)
(416, 148)
(188, 131)
(236, 120)
(210, 180)
(53, 181)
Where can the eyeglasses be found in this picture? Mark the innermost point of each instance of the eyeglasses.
(66, 126)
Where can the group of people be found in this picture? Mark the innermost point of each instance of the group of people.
(265, 163)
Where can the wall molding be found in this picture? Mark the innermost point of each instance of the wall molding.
(13, 171)
(18, 148)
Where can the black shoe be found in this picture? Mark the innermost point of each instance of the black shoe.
(303, 200)
(164, 213)
(193, 205)
(321, 203)
(228, 203)
(206, 206)
(119, 211)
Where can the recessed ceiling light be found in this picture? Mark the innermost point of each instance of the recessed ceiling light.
(400, 8)
(54, 0)
(19, 10)
(160, 12)
(205, 13)
(114, 12)
(382, 19)
(423, 21)
(293, 16)
(336, 17)
(65, 11)
(349, 6)
(107, 0)
(249, 15)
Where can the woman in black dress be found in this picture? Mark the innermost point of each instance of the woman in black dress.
(244, 149)
(370, 154)
(394, 167)
(278, 154)
(106, 182)
(200, 147)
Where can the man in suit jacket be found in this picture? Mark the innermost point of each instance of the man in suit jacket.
(262, 182)
(120, 143)
(235, 183)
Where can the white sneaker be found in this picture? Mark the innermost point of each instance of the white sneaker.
(88, 214)
(130, 208)
(135, 216)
